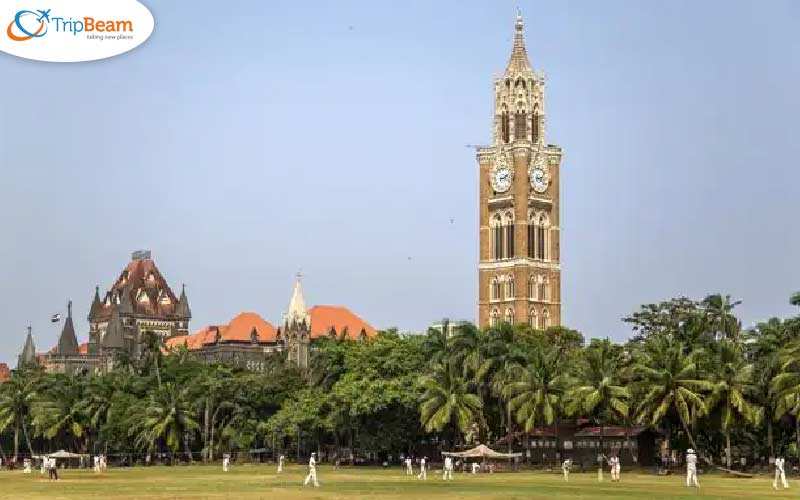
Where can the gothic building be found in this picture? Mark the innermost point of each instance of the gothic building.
(248, 339)
(519, 272)
(139, 301)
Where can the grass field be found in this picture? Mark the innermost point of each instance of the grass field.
(257, 481)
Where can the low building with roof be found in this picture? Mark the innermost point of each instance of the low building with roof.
(5, 373)
(248, 339)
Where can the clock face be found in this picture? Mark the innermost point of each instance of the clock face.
(539, 180)
(501, 179)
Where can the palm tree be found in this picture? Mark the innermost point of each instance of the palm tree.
(720, 316)
(534, 389)
(99, 401)
(437, 344)
(732, 390)
(57, 410)
(153, 345)
(765, 342)
(446, 401)
(167, 415)
(16, 398)
(595, 387)
(785, 387)
(667, 379)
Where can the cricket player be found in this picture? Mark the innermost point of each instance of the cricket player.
(312, 471)
(613, 463)
(780, 463)
(423, 472)
(96, 463)
(26, 463)
(475, 467)
(565, 468)
(409, 467)
(226, 460)
(280, 464)
(448, 468)
(691, 468)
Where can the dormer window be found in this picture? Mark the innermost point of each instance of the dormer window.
(142, 297)
(254, 335)
(163, 298)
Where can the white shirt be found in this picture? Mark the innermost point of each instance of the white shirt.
(691, 460)
(422, 463)
(567, 464)
(779, 464)
(448, 463)
(312, 462)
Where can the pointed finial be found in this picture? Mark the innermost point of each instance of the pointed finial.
(519, 57)
(299, 275)
(30, 328)
(69, 309)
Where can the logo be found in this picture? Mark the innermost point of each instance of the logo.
(42, 17)
(82, 30)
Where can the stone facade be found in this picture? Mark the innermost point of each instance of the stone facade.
(519, 274)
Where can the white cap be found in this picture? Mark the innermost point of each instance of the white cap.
(690, 450)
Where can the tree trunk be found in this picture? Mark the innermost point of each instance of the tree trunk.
(691, 439)
(770, 439)
(186, 449)
(797, 431)
(206, 454)
(16, 441)
(27, 439)
(728, 448)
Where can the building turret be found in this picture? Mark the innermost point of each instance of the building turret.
(297, 327)
(28, 355)
(183, 312)
(68, 342)
(114, 338)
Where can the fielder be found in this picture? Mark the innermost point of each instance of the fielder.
(409, 467)
(565, 468)
(312, 471)
(96, 463)
(475, 467)
(280, 464)
(423, 473)
(780, 463)
(613, 463)
(226, 461)
(448, 468)
(691, 469)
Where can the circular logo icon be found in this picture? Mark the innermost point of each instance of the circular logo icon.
(27, 25)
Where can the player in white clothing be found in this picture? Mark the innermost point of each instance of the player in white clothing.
(409, 467)
(565, 467)
(613, 463)
(691, 468)
(312, 471)
(780, 473)
(448, 468)
(423, 470)
(280, 464)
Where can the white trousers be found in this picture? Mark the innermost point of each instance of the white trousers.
(312, 475)
(615, 473)
(779, 474)
(566, 474)
(409, 470)
(280, 467)
(448, 473)
(423, 473)
(691, 476)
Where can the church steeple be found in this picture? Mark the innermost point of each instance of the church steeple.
(518, 63)
(68, 342)
(297, 327)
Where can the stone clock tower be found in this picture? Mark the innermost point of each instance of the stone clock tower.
(519, 271)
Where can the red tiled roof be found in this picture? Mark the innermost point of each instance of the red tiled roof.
(325, 318)
(4, 373)
(135, 279)
(238, 330)
(83, 348)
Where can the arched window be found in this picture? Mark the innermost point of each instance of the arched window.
(520, 126)
(545, 319)
(494, 317)
(494, 289)
(508, 228)
(510, 316)
(533, 319)
(505, 127)
(532, 288)
(510, 292)
(496, 229)
(541, 239)
(544, 292)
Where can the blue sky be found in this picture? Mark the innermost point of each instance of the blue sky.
(242, 143)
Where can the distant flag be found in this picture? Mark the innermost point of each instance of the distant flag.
(55, 318)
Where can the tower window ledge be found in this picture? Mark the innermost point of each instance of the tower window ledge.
(501, 200)
(538, 199)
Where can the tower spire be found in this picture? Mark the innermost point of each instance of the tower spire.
(518, 62)
(297, 311)
(68, 342)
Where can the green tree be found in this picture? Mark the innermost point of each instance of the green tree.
(167, 416)
(447, 402)
(17, 396)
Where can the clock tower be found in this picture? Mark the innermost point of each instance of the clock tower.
(519, 273)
